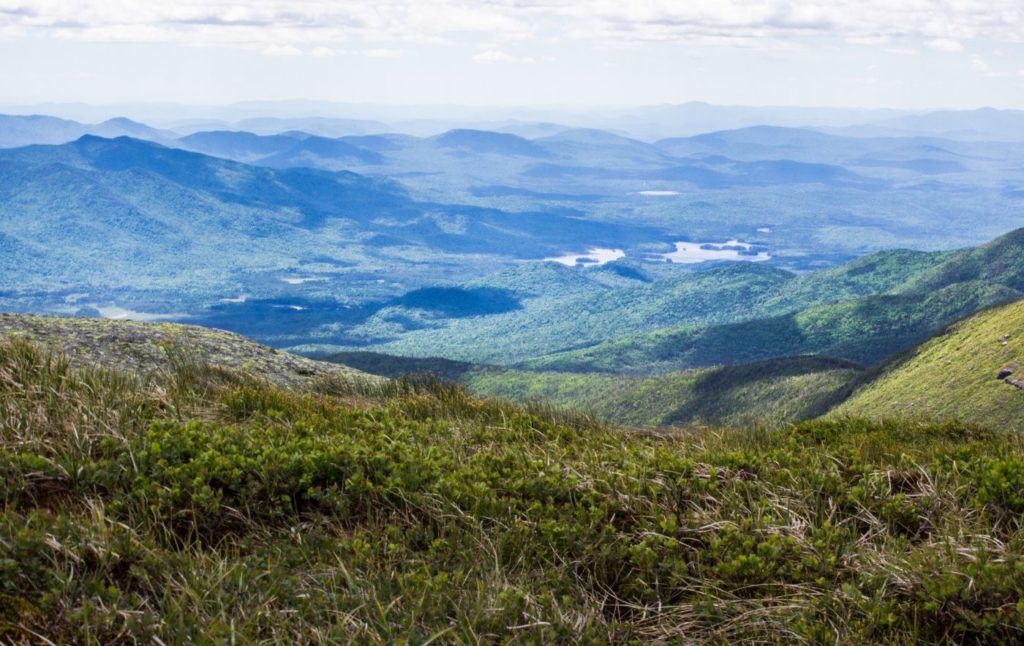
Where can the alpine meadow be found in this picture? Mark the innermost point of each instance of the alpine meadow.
(487, 322)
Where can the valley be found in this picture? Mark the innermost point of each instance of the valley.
(578, 266)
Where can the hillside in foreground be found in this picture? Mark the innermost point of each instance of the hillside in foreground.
(972, 371)
(198, 503)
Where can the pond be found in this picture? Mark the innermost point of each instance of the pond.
(690, 252)
(594, 256)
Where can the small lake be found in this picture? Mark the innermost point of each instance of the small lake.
(116, 313)
(690, 252)
(595, 256)
(299, 280)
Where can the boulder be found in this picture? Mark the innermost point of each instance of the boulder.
(1004, 372)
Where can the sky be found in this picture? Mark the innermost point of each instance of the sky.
(917, 54)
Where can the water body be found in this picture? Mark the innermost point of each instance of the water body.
(299, 280)
(594, 256)
(116, 313)
(691, 252)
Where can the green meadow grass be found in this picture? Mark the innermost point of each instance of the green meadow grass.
(200, 505)
(954, 375)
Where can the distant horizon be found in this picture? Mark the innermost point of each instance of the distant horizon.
(646, 123)
(8, 107)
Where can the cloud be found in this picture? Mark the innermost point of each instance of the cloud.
(946, 45)
(308, 24)
(498, 56)
(382, 52)
(282, 50)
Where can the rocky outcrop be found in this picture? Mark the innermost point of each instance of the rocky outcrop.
(135, 347)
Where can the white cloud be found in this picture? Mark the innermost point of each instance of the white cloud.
(946, 45)
(282, 50)
(382, 52)
(943, 24)
(498, 56)
(980, 65)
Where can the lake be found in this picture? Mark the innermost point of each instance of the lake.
(595, 256)
(690, 252)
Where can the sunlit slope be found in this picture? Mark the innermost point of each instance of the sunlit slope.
(954, 375)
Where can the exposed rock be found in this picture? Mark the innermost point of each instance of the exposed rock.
(1004, 372)
(1016, 383)
(131, 346)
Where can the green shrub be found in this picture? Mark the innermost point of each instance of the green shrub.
(410, 511)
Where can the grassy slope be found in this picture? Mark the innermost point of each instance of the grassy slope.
(198, 505)
(954, 375)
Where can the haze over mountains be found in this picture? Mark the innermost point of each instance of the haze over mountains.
(530, 248)
(647, 123)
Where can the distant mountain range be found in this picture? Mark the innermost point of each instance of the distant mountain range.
(648, 123)
(436, 246)
(18, 131)
(128, 214)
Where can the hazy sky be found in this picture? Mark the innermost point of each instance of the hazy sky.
(865, 53)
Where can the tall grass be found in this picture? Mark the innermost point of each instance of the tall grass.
(198, 505)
